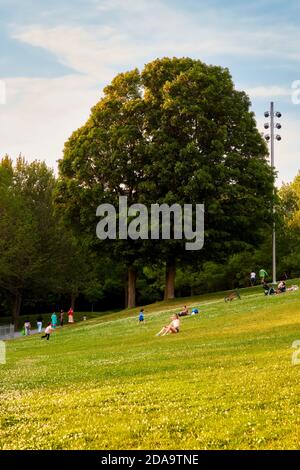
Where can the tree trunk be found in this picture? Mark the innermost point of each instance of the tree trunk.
(131, 288)
(170, 280)
(73, 299)
(16, 309)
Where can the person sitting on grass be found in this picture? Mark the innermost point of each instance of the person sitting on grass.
(173, 327)
(48, 332)
(184, 312)
(268, 290)
(281, 287)
(292, 288)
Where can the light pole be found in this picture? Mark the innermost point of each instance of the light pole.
(271, 138)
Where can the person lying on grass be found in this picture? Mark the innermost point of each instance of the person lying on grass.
(173, 327)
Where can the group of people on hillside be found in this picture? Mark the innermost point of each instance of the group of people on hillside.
(52, 325)
(174, 325)
(54, 318)
(270, 290)
(281, 287)
(263, 275)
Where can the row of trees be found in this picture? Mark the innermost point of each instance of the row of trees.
(42, 262)
(38, 256)
(176, 132)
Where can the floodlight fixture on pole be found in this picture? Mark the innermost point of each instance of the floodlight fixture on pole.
(271, 139)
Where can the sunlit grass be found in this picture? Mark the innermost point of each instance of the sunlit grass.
(225, 381)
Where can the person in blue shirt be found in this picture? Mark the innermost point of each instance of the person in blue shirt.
(54, 320)
(141, 316)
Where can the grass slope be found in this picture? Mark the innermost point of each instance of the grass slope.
(226, 381)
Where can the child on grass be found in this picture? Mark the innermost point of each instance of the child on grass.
(48, 332)
(142, 316)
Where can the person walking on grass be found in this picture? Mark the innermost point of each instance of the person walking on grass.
(27, 327)
(61, 318)
(71, 316)
(48, 332)
(263, 275)
(252, 278)
(173, 327)
(39, 323)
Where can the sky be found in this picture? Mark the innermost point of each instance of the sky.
(56, 57)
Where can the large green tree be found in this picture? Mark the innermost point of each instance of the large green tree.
(205, 148)
(104, 160)
(177, 132)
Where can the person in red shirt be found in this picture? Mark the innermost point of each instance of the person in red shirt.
(71, 315)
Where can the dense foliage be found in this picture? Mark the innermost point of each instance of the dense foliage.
(176, 132)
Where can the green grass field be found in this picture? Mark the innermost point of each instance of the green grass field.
(226, 381)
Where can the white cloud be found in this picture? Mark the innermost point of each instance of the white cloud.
(91, 52)
(40, 114)
(287, 161)
(129, 5)
(143, 30)
(269, 92)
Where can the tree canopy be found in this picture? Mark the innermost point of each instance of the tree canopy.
(176, 132)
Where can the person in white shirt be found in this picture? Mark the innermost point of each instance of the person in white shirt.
(173, 327)
(252, 278)
(48, 332)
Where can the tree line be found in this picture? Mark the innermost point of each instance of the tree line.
(177, 132)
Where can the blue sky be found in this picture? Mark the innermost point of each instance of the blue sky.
(55, 58)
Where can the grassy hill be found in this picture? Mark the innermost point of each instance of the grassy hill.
(225, 381)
